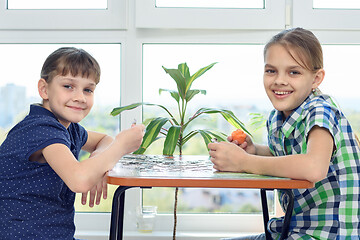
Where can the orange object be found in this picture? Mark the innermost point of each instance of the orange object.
(239, 136)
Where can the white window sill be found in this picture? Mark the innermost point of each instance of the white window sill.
(96, 226)
(159, 235)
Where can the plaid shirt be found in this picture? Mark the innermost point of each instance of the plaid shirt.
(331, 209)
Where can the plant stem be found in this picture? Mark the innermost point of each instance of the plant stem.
(175, 216)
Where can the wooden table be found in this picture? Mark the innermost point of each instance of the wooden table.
(189, 171)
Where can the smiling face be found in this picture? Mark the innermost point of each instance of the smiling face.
(69, 98)
(286, 82)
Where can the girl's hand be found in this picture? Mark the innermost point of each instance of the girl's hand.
(227, 156)
(96, 192)
(247, 145)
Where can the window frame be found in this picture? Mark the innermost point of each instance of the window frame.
(304, 15)
(271, 17)
(114, 17)
(131, 90)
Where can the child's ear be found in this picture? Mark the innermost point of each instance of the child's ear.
(43, 89)
(319, 77)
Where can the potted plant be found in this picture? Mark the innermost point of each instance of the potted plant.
(175, 129)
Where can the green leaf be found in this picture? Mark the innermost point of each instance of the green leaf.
(179, 79)
(189, 136)
(191, 93)
(257, 120)
(184, 69)
(118, 110)
(171, 140)
(206, 136)
(154, 131)
(141, 150)
(227, 114)
(151, 132)
(173, 93)
(196, 75)
(218, 135)
(146, 121)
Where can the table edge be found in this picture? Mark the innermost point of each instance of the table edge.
(210, 182)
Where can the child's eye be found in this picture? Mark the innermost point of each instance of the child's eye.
(294, 73)
(269, 71)
(68, 86)
(88, 90)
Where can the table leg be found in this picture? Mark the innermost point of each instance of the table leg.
(117, 213)
(288, 214)
(265, 213)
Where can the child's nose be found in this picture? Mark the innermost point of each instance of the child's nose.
(79, 96)
(281, 79)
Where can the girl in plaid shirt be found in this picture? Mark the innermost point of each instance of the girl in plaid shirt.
(309, 138)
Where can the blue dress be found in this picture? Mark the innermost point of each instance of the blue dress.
(35, 203)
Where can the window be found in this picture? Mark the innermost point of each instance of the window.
(238, 66)
(243, 94)
(60, 16)
(318, 14)
(141, 28)
(27, 68)
(343, 86)
(344, 4)
(67, 4)
(148, 15)
(247, 79)
(18, 91)
(211, 3)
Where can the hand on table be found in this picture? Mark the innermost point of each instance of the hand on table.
(95, 193)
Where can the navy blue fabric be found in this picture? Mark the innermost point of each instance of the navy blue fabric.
(35, 203)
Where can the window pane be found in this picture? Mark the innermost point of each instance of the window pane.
(18, 89)
(336, 4)
(57, 4)
(211, 3)
(234, 83)
(342, 84)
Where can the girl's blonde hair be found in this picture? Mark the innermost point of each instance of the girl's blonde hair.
(302, 45)
(71, 60)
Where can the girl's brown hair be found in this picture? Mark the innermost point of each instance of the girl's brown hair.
(302, 45)
(71, 60)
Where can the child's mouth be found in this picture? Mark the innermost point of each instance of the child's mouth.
(282, 93)
(76, 108)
